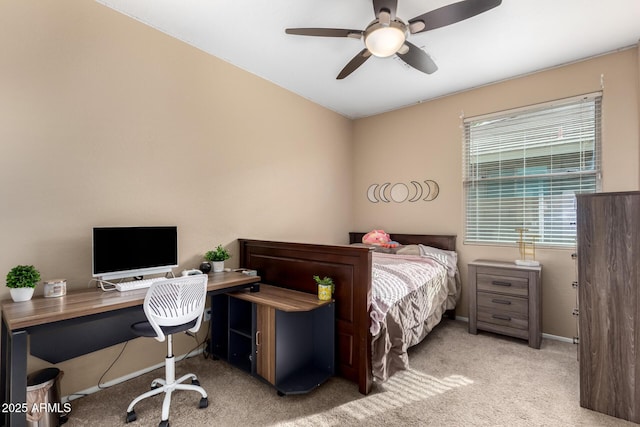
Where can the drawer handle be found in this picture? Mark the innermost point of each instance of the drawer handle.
(501, 301)
(499, 283)
(501, 317)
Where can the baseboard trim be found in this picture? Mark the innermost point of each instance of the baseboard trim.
(557, 338)
(94, 389)
(546, 336)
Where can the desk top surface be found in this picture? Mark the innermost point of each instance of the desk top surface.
(85, 302)
(281, 298)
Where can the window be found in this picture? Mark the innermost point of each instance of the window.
(523, 168)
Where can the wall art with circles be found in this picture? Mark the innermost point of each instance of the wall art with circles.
(399, 192)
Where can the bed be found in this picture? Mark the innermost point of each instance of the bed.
(360, 354)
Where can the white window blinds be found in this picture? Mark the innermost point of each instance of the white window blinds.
(523, 168)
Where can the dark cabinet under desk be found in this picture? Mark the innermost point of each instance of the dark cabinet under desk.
(285, 337)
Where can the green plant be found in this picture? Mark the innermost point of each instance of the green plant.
(218, 254)
(23, 276)
(326, 281)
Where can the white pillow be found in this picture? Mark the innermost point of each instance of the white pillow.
(447, 258)
(408, 250)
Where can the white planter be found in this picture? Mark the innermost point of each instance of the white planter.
(21, 294)
(217, 266)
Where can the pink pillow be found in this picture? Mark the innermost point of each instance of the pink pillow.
(379, 238)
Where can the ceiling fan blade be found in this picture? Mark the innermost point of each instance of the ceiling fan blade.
(417, 58)
(325, 32)
(357, 61)
(450, 14)
(389, 5)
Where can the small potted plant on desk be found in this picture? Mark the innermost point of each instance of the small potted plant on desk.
(217, 258)
(325, 287)
(21, 281)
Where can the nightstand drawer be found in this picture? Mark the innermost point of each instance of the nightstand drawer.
(506, 284)
(504, 304)
(511, 320)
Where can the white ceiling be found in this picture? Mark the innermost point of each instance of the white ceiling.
(516, 38)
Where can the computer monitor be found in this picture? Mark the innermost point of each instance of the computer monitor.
(120, 252)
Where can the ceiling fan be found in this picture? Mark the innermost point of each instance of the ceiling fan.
(387, 34)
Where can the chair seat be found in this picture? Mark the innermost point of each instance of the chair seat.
(144, 328)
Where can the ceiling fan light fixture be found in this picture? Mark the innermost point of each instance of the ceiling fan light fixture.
(385, 40)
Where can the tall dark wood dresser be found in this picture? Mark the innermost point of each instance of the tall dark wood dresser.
(608, 230)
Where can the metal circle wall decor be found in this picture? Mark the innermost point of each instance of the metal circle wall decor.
(381, 193)
(401, 192)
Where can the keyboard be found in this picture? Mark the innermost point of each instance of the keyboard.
(136, 284)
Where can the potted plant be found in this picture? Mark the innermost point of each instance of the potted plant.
(21, 281)
(217, 258)
(325, 287)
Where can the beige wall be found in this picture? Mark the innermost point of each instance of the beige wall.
(425, 142)
(105, 121)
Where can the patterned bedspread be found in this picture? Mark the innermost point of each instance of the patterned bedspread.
(409, 295)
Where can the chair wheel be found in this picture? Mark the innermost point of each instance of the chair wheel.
(131, 416)
(164, 423)
(204, 402)
(195, 382)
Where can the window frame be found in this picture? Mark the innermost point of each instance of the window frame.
(480, 236)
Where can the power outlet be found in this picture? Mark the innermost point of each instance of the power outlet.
(207, 314)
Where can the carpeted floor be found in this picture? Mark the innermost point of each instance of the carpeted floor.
(456, 379)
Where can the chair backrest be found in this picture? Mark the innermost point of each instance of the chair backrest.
(176, 301)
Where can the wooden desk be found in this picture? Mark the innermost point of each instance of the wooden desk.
(78, 323)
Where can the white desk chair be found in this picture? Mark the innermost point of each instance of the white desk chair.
(172, 306)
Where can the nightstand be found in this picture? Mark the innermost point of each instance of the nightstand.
(506, 298)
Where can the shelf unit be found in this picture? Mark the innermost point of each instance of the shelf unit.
(284, 337)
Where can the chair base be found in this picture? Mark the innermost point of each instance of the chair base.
(168, 386)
